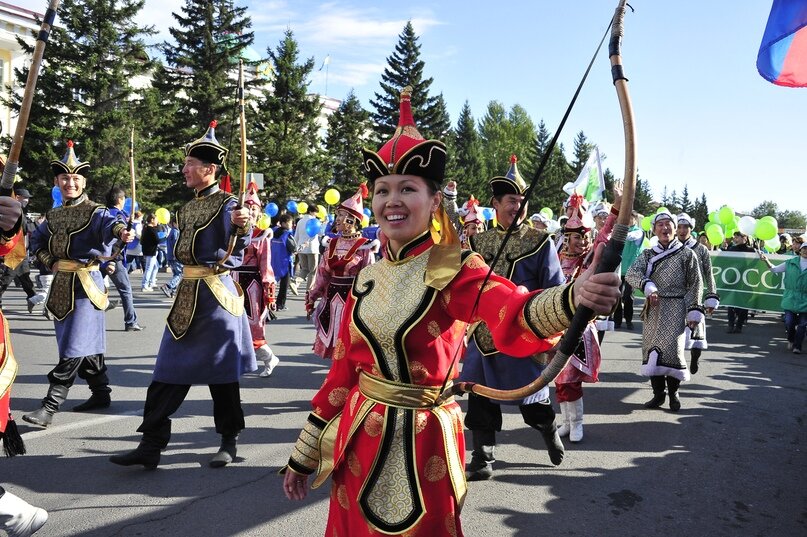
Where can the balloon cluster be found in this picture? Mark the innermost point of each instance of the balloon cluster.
(724, 223)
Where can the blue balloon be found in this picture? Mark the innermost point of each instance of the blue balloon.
(291, 206)
(272, 209)
(368, 212)
(313, 227)
(331, 218)
(127, 206)
(488, 213)
(56, 194)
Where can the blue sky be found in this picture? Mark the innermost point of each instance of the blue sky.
(705, 118)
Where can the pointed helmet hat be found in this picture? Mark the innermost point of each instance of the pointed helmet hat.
(407, 152)
(251, 195)
(207, 148)
(69, 163)
(580, 220)
(354, 204)
(509, 183)
(473, 213)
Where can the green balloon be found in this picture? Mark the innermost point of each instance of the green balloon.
(662, 209)
(772, 244)
(715, 235)
(714, 217)
(647, 223)
(546, 211)
(726, 215)
(765, 230)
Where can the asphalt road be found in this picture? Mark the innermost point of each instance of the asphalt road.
(731, 462)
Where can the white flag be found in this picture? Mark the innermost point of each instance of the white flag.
(590, 183)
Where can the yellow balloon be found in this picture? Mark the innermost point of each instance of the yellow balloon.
(365, 221)
(322, 212)
(302, 207)
(163, 216)
(263, 222)
(332, 196)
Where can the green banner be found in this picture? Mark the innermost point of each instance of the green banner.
(744, 281)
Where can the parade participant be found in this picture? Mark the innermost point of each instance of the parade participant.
(584, 364)
(282, 257)
(786, 244)
(472, 223)
(72, 242)
(344, 257)
(631, 250)
(119, 275)
(21, 274)
(134, 250)
(532, 262)
(670, 278)
(256, 278)
(207, 338)
(170, 288)
(696, 338)
(307, 247)
(394, 453)
(794, 299)
(738, 316)
(17, 517)
(149, 242)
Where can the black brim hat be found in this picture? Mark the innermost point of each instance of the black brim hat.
(69, 163)
(207, 148)
(510, 183)
(407, 153)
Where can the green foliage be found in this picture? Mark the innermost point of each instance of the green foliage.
(700, 212)
(286, 144)
(84, 92)
(792, 220)
(556, 173)
(766, 208)
(465, 165)
(347, 131)
(643, 202)
(405, 68)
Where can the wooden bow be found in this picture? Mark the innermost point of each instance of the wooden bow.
(612, 254)
(13, 161)
(242, 183)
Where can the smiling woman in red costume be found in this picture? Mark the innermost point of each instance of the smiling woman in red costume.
(394, 453)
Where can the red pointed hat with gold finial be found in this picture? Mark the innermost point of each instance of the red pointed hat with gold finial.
(580, 220)
(69, 163)
(472, 212)
(354, 204)
(251, 195)
(407, 153)
(207, 148)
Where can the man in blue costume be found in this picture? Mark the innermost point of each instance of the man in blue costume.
(72, 242)
(207, 338)
(531, 260)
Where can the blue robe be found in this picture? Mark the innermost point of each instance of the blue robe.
(217, 346)
(85, 231)
(531, 261)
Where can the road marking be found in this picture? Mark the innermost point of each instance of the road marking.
(78, 425)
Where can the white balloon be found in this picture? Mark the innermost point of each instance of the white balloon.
(747, 225)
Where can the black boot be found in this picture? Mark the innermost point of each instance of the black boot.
(693, 366)
(482, 457)
(554, 446)
(147, 455)
(657, 382)
(43, 417)
(226, 453)
(672, 386)
(99, 385)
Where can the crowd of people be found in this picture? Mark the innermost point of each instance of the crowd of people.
(402, 309)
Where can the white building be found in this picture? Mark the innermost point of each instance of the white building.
(14, 21)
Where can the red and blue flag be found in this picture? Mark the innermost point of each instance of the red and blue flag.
(782, 56)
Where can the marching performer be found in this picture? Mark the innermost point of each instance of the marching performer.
(207, 338)
(257, 279)
(345, 255)
(696, 338)
(670, 278)
(530, 261)
(394, 452)
(72, 242)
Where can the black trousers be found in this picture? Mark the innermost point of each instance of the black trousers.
(163, 400)
(282, 291)
(90, 368)
(738, 316)
(485, 415)
(624, 308)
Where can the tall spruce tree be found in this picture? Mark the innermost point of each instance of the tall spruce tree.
(85, 93)
(643, 201)
(198, 83)
(684, 202)
(466, 164)
(347, 133)
(405, 68)
(286, 145)
(700, 212)
(581, 150)
(557, 171)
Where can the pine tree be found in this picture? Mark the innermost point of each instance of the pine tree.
(700, 212)
(493, 136)
(198, 81)
(288, 150)
(582, 149)
(557, 172)
(643, 202)
(684, 202)
(85, 93)
(466, 166)
(405, 68)
(347, 128)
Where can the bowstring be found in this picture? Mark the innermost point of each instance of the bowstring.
(527, 193)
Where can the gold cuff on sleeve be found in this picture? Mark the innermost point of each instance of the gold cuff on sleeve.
(550, 312)
(305, 457)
